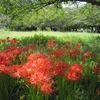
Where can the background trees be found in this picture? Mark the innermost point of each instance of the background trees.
(27, 15)
(14, 8)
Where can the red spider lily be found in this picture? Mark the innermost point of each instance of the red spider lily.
(47, 88)
(50, 51)
(32, 47)
(68, 42)
(73, 53)
(77, 67)
(75, 72)
(72, 75)
(35, 56)
(13, 51)
(88, 54)
(27, 69)
(39, 78)
(42, 65)
(96, 70)
(61, 68)
(31, 67)
(12, 41)
(28, 54)
(58, 53)
(51, 43)
(3, 69)
(43, 80)
(78, 45)
(14, 71)
(25, 49)
(5, 58)
(24, 73)
(66, 48)
(38, 70)
(37, 63)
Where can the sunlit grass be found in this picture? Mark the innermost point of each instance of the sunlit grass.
(16, 34)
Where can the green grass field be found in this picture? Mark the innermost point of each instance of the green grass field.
(62, 36)
(16, 34)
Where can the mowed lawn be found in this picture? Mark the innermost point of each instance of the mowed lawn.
(65, 35)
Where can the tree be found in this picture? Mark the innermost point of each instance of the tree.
(28, 15)
(42, 19)
(4, 20)
(15, 8)
(86, 17)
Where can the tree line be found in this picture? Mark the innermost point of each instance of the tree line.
(27, 15)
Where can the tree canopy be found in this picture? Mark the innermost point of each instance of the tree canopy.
(15, 7)
(28, 15)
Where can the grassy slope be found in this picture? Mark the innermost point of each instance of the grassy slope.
(72, 36)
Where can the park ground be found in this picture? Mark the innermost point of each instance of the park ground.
(21, 34)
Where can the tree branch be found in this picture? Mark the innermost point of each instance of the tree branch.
(35, 8)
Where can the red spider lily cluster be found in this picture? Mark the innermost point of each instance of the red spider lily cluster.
(51, 43)
(75, 72)
(56, 53)
(40, 68)
(61, 68)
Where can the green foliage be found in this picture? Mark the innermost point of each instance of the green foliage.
(66, 19)
(11, 88)
(23, 15)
